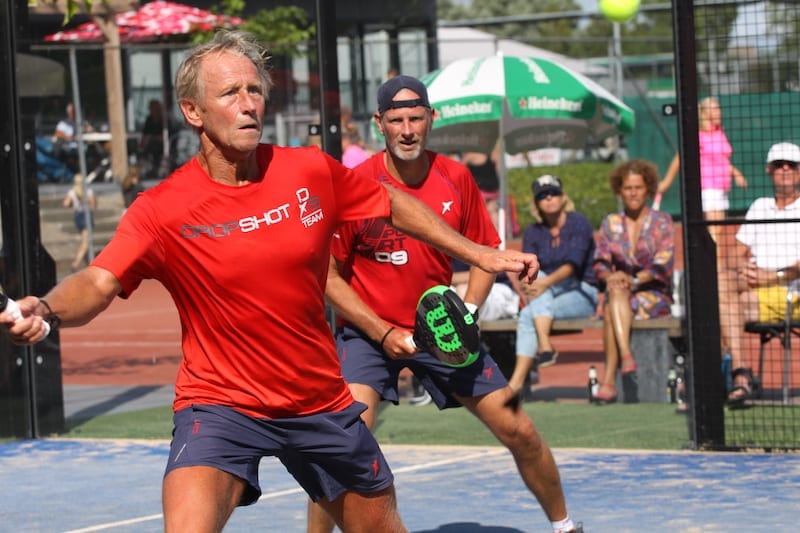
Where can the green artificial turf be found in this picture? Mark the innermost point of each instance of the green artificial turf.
(563, 425)
(632, 426)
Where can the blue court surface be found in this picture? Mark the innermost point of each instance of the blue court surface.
(82, 486)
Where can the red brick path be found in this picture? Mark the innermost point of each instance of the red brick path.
(137, 342)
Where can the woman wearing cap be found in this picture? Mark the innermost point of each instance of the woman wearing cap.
(716, 169)
(633, 260)
(564, 242)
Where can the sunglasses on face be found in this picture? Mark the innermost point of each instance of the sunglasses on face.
(545, 194)
(782, 164)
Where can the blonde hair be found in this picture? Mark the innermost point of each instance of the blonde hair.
(187, 83)
(567, 207)
(77, 186)
(703, 107)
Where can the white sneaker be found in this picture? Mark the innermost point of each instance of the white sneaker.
(423, 399)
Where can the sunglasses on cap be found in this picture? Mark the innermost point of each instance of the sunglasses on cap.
(544, 194)
(781, 164)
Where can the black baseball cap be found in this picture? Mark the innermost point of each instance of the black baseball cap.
(392, 86)
(547, 183)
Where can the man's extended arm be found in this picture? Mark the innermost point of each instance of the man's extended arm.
(414, 218)
(76, 300)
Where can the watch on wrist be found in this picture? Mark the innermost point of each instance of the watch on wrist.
(635, 281)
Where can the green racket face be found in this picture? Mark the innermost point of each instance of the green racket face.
(445, 327)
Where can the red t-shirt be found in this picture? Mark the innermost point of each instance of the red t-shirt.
(246, 267)
(390, 270)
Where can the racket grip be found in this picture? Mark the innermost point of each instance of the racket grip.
(410, 342)
(13, 308)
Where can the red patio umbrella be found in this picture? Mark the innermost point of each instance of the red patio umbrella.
(152, 22)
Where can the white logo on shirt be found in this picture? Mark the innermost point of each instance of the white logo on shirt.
(446, 206)
(310, 210)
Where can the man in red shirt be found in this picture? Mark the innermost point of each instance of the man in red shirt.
(240, 237)
(378, 273)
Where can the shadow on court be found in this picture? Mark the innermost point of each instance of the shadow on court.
(80, 486)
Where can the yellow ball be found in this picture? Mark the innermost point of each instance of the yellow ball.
(618, 10)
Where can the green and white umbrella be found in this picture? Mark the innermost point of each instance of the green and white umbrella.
(535, 103)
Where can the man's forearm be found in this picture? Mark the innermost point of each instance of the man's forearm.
(416, 219)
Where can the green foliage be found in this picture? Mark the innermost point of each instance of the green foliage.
(280, 29)
(551, 31)
(76, 6)
(585, 183)
(650, 32)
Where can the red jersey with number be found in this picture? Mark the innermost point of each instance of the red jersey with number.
(246, 267)
(390, 270)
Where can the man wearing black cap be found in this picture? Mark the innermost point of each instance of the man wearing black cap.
(378, 273)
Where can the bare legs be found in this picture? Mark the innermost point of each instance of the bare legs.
(199, 498)
(516, 431)
(83, 249)
(617, 321)
(522, 368)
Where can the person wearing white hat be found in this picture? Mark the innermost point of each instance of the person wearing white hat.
(767, 261)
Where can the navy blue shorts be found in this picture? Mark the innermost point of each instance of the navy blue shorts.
(364, 362)
(327, 454)
(80, 220)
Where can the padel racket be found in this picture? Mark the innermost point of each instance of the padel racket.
(445, 328)
(7, 304)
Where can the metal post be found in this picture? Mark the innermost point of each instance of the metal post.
(76, 102)
(329, 106)
(702, 310)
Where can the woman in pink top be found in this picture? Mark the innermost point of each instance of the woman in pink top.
(716, 169)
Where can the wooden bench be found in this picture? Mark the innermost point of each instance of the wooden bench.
(654, 343)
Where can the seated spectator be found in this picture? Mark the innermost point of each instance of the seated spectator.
(65, 129)
(65, 145)
(564, 242)
(633, 261)
(766, 260)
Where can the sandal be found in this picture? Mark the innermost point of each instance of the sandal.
(628, 365)
(741, 391)
(605, 395)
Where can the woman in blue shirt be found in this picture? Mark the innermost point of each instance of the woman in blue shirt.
(563, 240)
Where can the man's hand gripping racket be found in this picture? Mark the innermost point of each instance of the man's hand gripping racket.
(445, 328)
(7, 304)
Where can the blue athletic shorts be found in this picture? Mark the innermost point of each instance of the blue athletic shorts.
(327, 454)
(364, 362)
